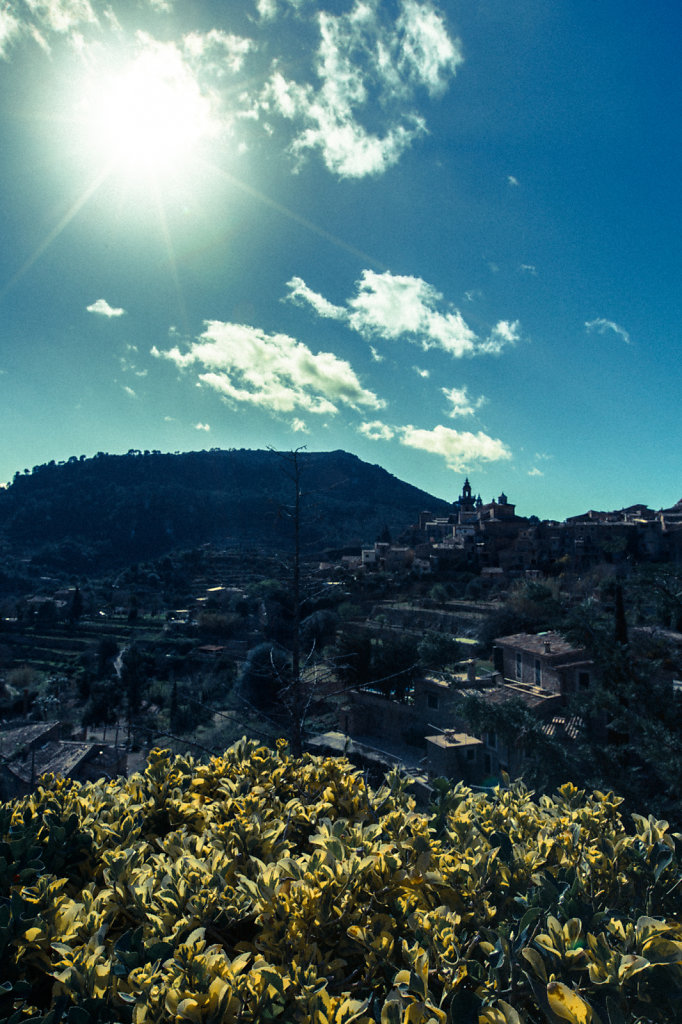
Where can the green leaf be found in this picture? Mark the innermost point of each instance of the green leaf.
(536, 962)
(613, 1012)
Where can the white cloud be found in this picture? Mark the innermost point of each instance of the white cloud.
(300, 293)
(369, 68)
(391, 306)
(62, 16)
(362, 73)
(462, 404)
(129, 391)
(244, 364)
(267, 9)
(512, 180)
(602, 325)
(10, 29)
(206, 427)
(376, 356)
(535, 472)
(503, 334)
(528, 268)
(427, 54)
(460, 449)
(102, 308)
(422, 373)
(299, 426)
(217, 51)
(375, 430)
(394, 306)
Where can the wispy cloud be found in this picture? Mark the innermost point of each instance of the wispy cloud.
(512, 180)
(102, 308)
(216, 53)
(267, 9)
(390, 306)
(535, 472)
(529, 268)
(601, 326)
(206, 427)
(244, 364)
(299, 426)
(301, 294)
(366, 64)
(421, 372)
(62, 16)
(10, 30)
(362, 74)
(460, 449)
(503, 334)
(129, 391)
(460, 402)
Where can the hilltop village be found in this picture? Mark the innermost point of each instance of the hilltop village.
(490, 538)
(476, 645)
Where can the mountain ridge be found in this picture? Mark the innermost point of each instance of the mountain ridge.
(145, 504)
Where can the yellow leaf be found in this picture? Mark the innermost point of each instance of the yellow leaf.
(567, 1004)
(491, 1015)
(660, 950)
(630, 965)
(189, 1009)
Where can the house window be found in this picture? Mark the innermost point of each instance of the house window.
(538, 672)
(584, 680)
(519, 665)
(432, 701)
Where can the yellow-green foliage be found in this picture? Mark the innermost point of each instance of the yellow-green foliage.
(259, 887)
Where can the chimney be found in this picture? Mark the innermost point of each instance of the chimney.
(548, 646)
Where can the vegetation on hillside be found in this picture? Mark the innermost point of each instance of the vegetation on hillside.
(258, 887)
(144, 504)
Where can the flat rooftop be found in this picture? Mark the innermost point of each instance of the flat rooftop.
(449, 739)
(537, 643)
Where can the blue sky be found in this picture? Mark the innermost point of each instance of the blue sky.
(442, 236)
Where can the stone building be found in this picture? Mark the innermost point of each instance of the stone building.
(545, 662)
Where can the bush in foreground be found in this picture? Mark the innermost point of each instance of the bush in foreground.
(259, 887)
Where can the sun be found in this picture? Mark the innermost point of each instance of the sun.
(148, 117)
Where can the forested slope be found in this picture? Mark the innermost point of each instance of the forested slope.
(140, 505)
(262, 888)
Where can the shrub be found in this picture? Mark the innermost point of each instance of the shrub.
(258, 887)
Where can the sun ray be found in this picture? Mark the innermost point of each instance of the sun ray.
(56, 231)
(170, 251)
(297, 218)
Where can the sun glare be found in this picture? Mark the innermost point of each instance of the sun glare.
(150, 116)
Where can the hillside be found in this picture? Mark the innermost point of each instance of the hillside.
(121, 508)
(258, 887)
